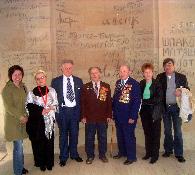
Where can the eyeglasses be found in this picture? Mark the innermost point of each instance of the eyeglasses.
(41, 78)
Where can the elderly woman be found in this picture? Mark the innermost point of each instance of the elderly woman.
(14, 96)
(151, 112)
(41, 105)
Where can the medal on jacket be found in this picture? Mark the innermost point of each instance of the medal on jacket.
(46, 94)
(103, 93)
(125, 96)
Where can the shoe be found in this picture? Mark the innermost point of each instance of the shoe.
(153, 160)
(146, 157)
(89, 160)
(62, 163)
(49, 168)
(167, 154)
(42, 168)
(104, 159)
(24, 171)
(180, 159)
(118, 156)
(128, 162)
(78, 159)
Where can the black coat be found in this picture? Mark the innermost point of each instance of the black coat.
(180, 80)
(156, 98)
(35, 127)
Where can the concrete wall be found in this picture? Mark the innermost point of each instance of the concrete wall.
(41, 33)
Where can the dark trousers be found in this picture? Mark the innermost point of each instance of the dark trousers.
(152, 131)
(170, 118)
(68, 133)
(126, 140)
(43, 151)
(90, 132)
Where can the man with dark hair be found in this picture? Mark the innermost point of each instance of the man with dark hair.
(96, 112)
(68, 88)
(167, 60)
(170, 81)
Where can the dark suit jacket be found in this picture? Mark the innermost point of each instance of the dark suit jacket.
(156, 99)
(93, 109)
(122, 112)
(57, 84)
(180, 80)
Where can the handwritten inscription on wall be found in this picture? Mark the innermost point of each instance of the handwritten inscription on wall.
(25, 37)
(115, 33)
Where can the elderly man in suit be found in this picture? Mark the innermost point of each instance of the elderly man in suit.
(68, 88)
(126, 104)
(170, 81)
(96, 112)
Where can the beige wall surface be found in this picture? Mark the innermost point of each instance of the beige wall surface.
(177, 40)
(105, 33)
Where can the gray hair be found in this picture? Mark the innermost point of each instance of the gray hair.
(95, 67)
(125, 65)
(68, 61)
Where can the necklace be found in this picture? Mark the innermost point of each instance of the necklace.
(44, 99)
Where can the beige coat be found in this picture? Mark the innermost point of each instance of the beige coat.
(14, 102)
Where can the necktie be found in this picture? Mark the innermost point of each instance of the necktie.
(96, 89)
(70, 93)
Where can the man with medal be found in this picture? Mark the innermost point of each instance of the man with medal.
(126, 104)
(96, 107)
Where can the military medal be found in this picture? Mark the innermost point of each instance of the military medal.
(125, 96)
(103, 93)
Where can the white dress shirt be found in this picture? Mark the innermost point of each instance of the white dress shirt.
(124, 81)
(98, 85)
(67, 102)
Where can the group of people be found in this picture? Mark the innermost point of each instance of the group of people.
(68, 101)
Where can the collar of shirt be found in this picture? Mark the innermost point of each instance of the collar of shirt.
(124, 80)
(98, 84)
(170, 76)
(65, 78)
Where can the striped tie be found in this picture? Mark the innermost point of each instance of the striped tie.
(96, 89)
(70, 93)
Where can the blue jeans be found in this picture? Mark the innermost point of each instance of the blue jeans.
(90, 131)
(18, 157)
(170, 118)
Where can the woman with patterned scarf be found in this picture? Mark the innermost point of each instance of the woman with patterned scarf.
(41, 105)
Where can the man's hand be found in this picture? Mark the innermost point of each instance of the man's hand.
(131, 121)
(109, 120)
(84, 121)
(178, 92)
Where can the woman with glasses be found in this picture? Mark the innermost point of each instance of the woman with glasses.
(41, 105)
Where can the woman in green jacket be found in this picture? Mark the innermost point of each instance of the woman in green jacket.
(14, 96)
